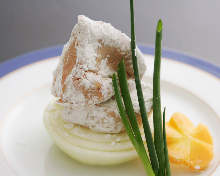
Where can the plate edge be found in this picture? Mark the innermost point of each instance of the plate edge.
(42, 54)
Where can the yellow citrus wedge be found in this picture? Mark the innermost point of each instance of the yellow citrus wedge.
(201, 132)
(172, 134)
(181, 123)
(188, 145)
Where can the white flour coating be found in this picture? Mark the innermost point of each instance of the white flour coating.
(92, 50)
(103, 117)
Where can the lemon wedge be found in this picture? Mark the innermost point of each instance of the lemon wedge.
(188, 145)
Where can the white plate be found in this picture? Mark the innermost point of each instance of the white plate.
(27, 150)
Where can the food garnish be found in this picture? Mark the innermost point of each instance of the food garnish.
(158, 164)
(188, 144)
(84, 121)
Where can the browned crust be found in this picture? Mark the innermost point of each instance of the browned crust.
(69, 62)
(89, 93)
(138, 117)
(114, 56)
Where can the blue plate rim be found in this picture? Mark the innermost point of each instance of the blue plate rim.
(42, 54)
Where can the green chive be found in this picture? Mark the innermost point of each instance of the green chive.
(130, 112)
(132, 25)
(122, 111)
(147, 130)
(158, 149)
(127, 100)
(167, 165)
(138, 146)
(158, 135)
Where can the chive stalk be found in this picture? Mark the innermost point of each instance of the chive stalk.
(130, 110)
(130, 131)
(143, 112)
(157, 119)
(159, 162)
(122, 111)
(127, 100)
(167, 163)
